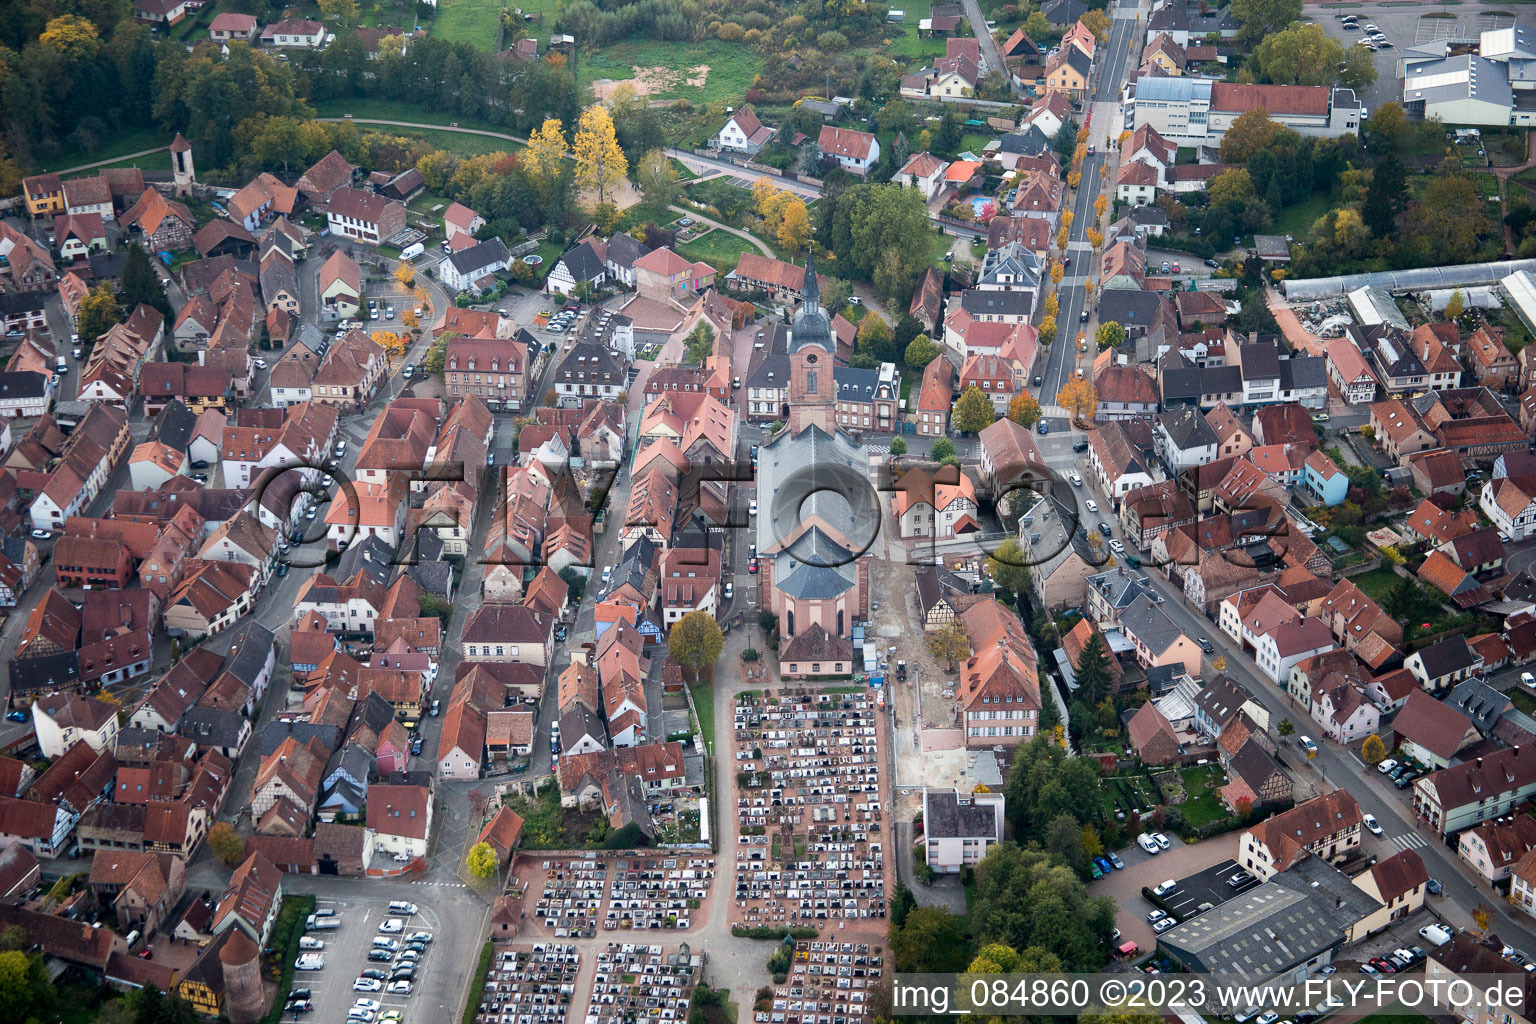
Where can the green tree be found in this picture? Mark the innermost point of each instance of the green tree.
(482, 861)
(950, 644)
(15, 982)
(700, 343)
(1260, 18)
(898, 446)
(1285, 728)
(880, 233)
(98, 312)
(874, 338)
(931, 941)
(920, 352)
(1234, 186)
(1373, 751)
(1024, 901)
(1093, 676)
(1044, 782)
(696, 641)
(973, 411)
(1064, 842)
(142, 284)
(942, 450)
(1385, 197)
(657, 178)
(1388, 125)
(1009, 566)
(1110, 335)
(1303, 54)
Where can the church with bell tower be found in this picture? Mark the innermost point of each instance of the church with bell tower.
(812, 389)
(819, 513)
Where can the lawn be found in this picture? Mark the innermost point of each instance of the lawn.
(720, 249)
(727, 69)
(120, 146)
(389, 110)
(905, 42)
(1298, 218)
(457, 143)
(704, 701)
(469, 21)
(1202, 803)
(1376, 583)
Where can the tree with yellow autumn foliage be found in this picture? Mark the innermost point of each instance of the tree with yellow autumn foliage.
(544, 159)
(1052, 304)
(1079, 398)
(794, 226)
(1057, 270)
(600, 162)
(405, 274)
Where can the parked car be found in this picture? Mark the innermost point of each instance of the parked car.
(310, 962)
(1164, 888)
(1386, 766)
(1164, 925)
(1103, 864)
(391, 925)
(375, 974)
(16, 716)
(399, 988)
(1146, 843)
(1161, 841)
(1371, 824)
(367, 985)
(425, 937)
(1114, 859)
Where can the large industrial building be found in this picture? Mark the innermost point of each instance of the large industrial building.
(1198, 111)
(1490, 80)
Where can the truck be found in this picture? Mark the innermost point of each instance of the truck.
(314, 923)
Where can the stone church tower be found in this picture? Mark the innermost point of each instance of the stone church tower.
(244, 1000)
(182, 171)
(812, 389)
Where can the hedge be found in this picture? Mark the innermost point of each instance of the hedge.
(763, 932)
(477, 985)
(286, 932)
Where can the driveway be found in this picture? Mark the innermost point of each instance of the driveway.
(1145, 871)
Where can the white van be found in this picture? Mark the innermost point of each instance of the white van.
(1165, 887)
(1528, 680)
(1145, 842)
(61, 364)
(384, 942)
(310, 962)
(402, 907)
(1439, 934)
(309, 942)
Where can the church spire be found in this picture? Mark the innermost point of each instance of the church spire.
(810, 292)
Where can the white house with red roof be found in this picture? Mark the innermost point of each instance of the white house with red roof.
(856, 151)
(458, 220)
(743, 132)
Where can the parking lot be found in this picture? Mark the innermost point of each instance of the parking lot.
(1403, 27)
(1207, 886)
(1145, 870)
(346, 957)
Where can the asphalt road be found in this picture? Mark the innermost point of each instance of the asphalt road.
(1060, 356)
(1338, 767)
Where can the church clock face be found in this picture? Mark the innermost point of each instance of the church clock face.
(811, 358)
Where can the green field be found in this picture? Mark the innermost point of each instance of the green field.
(391, 110)
(720, 249)
(1376, 583)
(469, 21)
(1298, 218)
(120, 146)
(906, 43)
(731, 68)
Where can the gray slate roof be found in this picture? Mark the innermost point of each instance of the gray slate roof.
(946, 818)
